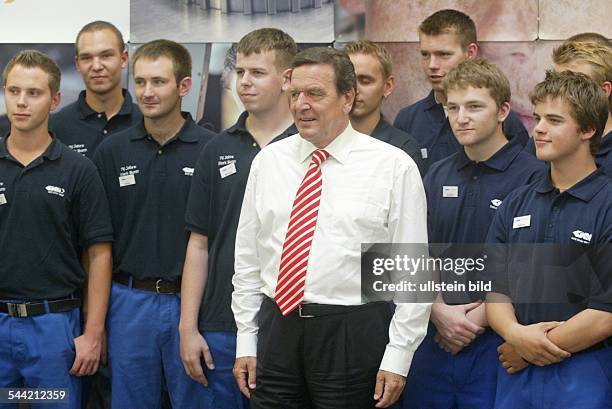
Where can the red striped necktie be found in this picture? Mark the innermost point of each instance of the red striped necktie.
(302, 223)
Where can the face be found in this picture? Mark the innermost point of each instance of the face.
(28, 98)
(556, 133)
(372, 86)
(319, 112)
(155, 86)
(440, 54)
(258, 83)
(474, 115)
(100, 61)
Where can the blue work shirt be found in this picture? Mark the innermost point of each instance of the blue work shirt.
(213, 210)
(147, 187)
(81, 128)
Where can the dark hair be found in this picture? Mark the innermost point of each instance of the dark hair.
(269, 39)
(587, 101)
(36, 59)
(450, 22)
(339, 60)
(180, 57)
(99, 25)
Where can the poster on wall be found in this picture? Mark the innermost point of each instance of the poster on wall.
(57, 21)
(226, 21)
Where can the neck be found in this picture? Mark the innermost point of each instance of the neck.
(366, 124)
(27, 146)
(265, 126)
(487, 148)
(568, 171)
(440, 97)
(109, 103)
(164, 129)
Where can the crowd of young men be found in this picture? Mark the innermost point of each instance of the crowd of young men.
(230, 278)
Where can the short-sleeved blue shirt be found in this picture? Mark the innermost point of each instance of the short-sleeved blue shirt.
(214, 210)
(147, 187)
(385, 132)
(48, 210)
(604, 154)
(82, 129)
(579, 221)
(463, 196)
(426, 121)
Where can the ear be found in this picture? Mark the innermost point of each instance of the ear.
(349, 99)
(607, 87)
(389, 86)
(286, 79)
(504, 111)
(55, 101)
(184, 86)
(472, 50)
(124, 58)
(587, 134)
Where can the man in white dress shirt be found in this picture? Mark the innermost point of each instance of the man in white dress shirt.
(304, 337)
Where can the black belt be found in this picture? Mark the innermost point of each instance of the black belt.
(321, 310)
(159, 286)
(30, 309)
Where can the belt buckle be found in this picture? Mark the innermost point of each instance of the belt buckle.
(302, 315)
(19, 310)
(158, 290)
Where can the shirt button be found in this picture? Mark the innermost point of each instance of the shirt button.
(474, 177)
(159, 152)
(105, 132)
(99, 115)
(254, 144)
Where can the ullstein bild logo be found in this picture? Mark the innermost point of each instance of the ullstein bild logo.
(54, 190)
(581, 237)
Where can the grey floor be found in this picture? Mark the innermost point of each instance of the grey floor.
(189, 23)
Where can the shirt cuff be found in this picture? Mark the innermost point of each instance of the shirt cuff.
(246, 345)
(396, 361)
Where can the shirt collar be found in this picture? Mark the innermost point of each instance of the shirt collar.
(499, 161)
(339, 148)
(605, 146)
(53, 151)
(430, 101)
(240, 125)
(185, 134)
(584, 190)
(126, 107)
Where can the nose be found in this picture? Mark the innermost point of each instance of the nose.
(21, 100)
(96, 64)
(301, 102)
(462, 115)
(147, 89)
(433, 62)
(539, 127)
(244, 79)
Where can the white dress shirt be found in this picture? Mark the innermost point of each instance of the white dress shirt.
(372, 193)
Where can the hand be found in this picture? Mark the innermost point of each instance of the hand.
(193, 347)
(447, 345)
(89, 348)
(510, 359)
(478, 316)
(245, 370)
(389, 387)
(531, 343)
(452, 323)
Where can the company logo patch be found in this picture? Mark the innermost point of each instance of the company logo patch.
(495, 204)
(54, 190)
(581, 236)
(188, 171)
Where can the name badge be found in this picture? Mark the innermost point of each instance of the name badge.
(424, 154)
(227, 170)
(521, 221)
(450, 191)
(127, 180)
(2, 199)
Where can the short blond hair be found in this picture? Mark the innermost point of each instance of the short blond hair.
(480, 73)
(369, 48)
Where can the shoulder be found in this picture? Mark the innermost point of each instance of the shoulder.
(118, 140)
(409, 111)
(68, 112)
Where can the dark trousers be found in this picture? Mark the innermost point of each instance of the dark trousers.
(323, 362)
